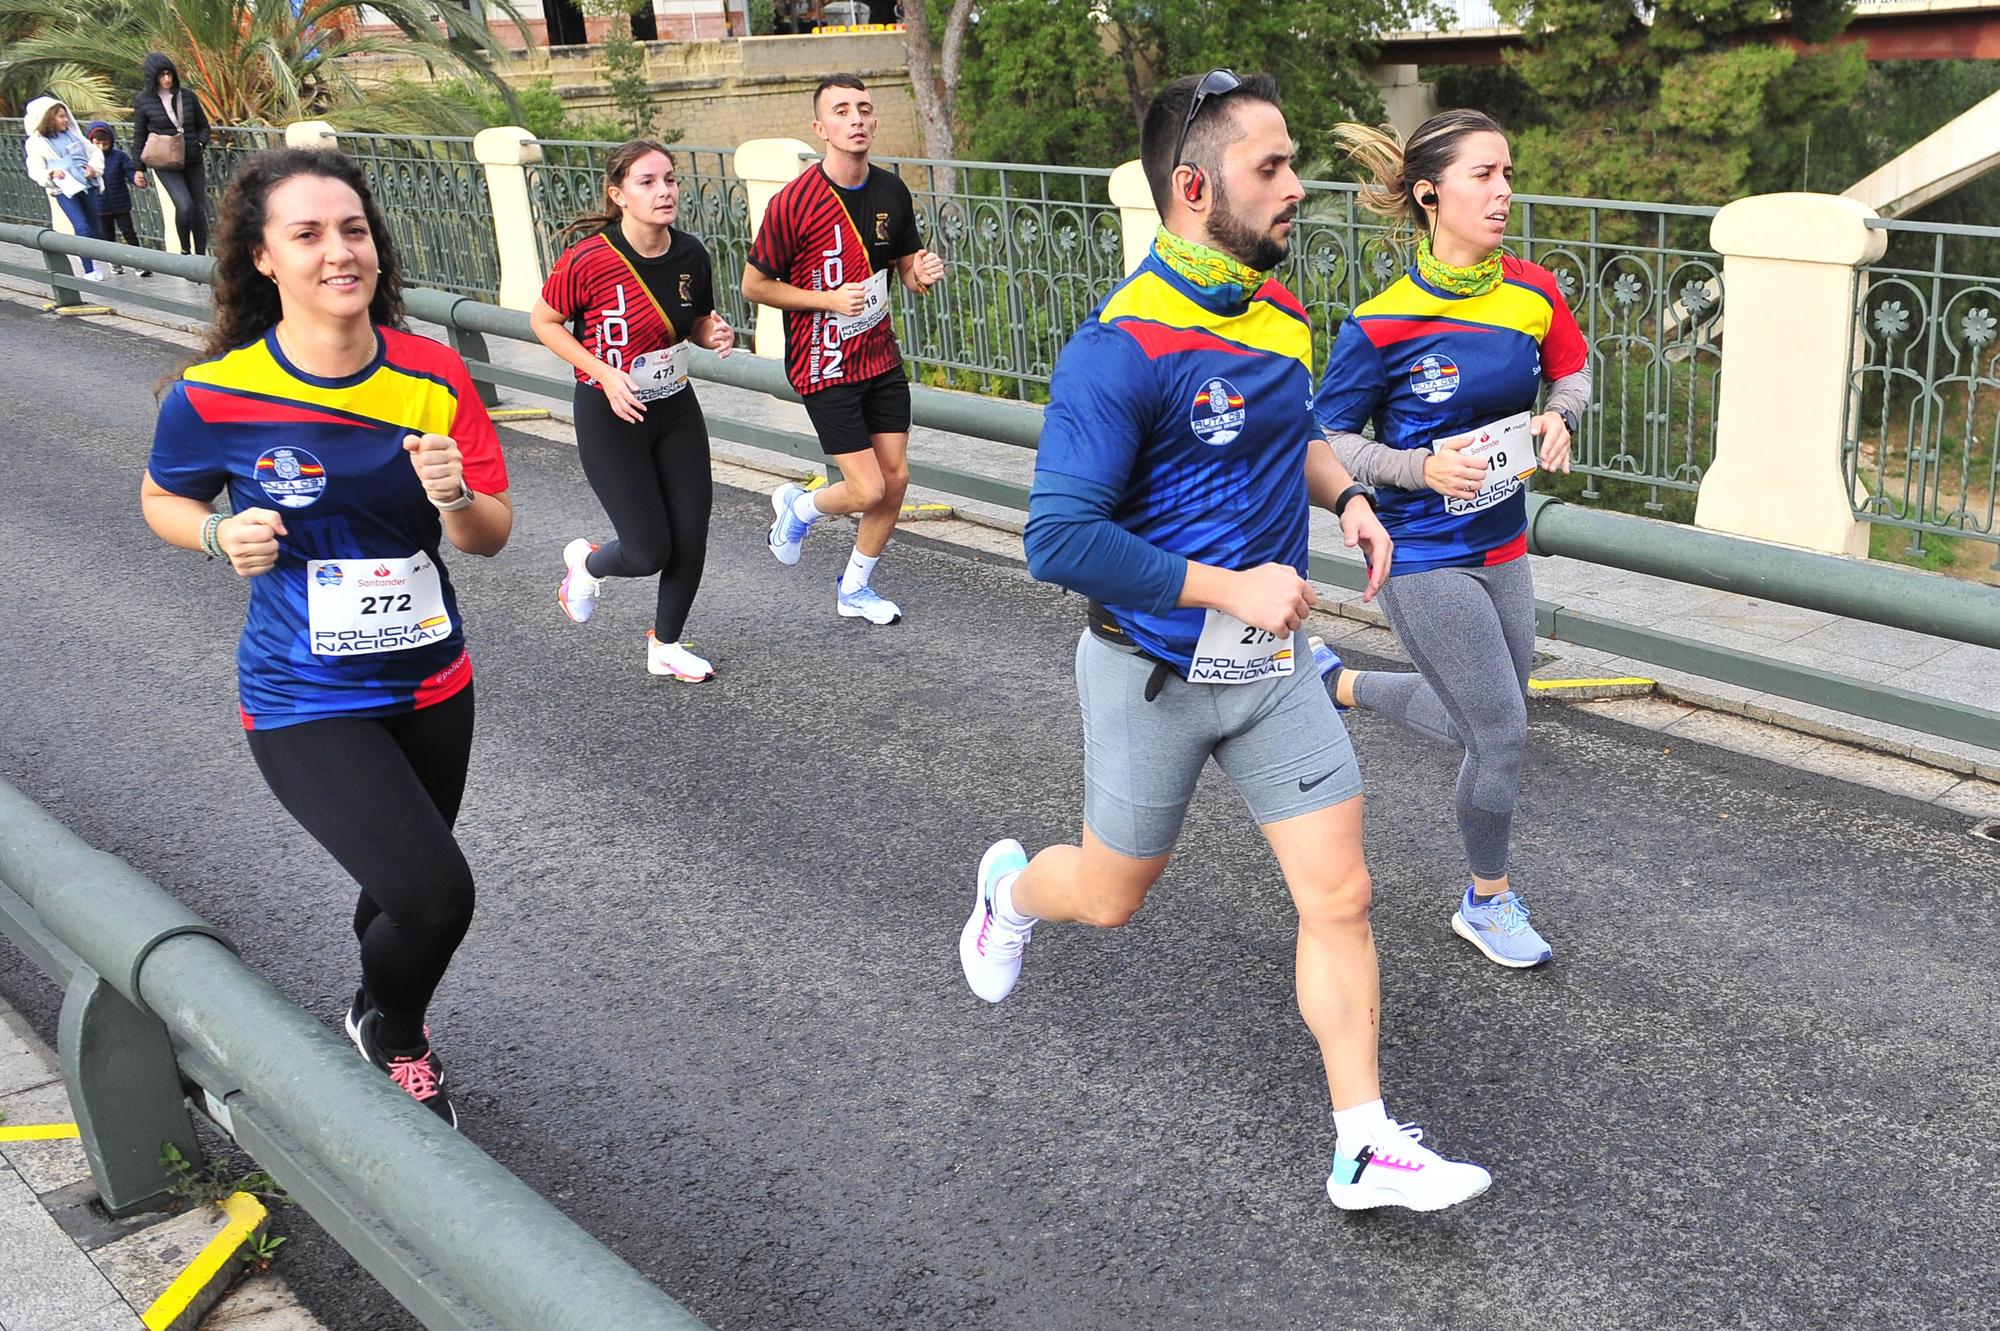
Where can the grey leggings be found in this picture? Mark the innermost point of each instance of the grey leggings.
(1471, 633)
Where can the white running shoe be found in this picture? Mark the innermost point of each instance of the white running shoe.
(578, 590)
(788, 531)
(989, 949)
(94, 275)
(864, 602)
(675, 660)
(1397, 1169)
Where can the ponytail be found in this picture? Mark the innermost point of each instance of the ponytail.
(1396, 164)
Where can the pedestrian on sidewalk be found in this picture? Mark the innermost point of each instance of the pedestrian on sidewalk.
(170, 137)
(624, 306)
(67, 165)
(1447, 364)
(114, 204)
(351, 450)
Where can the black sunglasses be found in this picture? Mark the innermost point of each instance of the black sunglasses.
(1215, 83)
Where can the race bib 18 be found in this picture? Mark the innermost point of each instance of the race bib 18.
(874, 308)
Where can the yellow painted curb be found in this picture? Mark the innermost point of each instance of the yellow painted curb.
(50, 307)
(246, 1216)
(1591, 690)
(1625, 682)
(40, 1132)
(518, 413)
(918, 512)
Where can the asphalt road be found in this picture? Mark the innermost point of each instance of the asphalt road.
(711, 1002)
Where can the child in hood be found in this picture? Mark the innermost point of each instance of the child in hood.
(68, 166)
(114, 205)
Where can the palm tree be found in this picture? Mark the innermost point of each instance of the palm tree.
(249, 61)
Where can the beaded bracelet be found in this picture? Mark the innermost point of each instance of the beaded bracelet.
(209, 545)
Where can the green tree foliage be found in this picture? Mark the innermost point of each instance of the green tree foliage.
(1702, 104)
(1067, 81)
(249, 62)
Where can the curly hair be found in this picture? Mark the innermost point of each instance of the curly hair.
(247, 304)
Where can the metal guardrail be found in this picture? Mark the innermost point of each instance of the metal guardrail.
(1865, 590)
(155, 1002)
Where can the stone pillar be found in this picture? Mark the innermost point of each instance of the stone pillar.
(505, 154)
(1788, 265)
(766, 166)
(310, 134)
(1141, 220)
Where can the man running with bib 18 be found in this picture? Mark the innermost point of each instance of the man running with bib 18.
(824, 255)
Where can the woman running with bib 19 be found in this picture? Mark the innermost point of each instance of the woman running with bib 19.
(351, 450)
(1447, 363)
(637, 295)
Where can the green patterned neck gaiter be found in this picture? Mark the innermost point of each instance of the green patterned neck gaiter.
(1214, 272)
(1477, 280)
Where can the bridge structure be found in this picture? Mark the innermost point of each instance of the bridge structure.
(1476, 33)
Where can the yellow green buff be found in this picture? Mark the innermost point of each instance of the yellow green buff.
(1477, 280)
(1214, 272)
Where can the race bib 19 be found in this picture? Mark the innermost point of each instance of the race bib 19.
(874, 308)
(658, 374)
(357, 607)
(1509, 451)
(1232, 652)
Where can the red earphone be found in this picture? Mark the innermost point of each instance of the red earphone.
(1195, 181)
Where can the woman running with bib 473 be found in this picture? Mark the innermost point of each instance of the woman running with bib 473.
(637, 295)
(1447, 363)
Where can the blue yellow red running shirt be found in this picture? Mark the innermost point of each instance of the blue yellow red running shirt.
(327, 456)
(1196, 411)
(1424, 364)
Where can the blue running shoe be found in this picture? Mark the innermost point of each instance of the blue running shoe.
(864, 602)
(788, 533)
(1498, 926)
(1325, 662)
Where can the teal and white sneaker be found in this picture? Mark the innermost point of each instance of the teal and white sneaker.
(864, 602)
(989, 948)
(1498, 926)
(1397, 1169)
(788, 532)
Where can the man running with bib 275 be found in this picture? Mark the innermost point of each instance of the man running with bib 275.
(824, 254)
(1178, 463)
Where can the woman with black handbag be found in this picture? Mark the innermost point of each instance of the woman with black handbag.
(170, 136)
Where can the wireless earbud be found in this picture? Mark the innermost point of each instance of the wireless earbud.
(1195, 181)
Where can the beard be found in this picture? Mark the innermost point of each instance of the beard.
(1244, 240)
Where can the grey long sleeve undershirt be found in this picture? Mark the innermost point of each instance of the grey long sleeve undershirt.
(1374, 463)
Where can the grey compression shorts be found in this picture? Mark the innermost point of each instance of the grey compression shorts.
(1279, 741)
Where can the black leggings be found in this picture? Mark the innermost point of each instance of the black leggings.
(381, 794)
(188, 188)
(654, 483)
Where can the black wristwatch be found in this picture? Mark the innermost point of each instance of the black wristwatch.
(1569, 418)
(1340, 500)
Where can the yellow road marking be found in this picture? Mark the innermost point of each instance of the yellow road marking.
(39, 1132)
(245, 1214)
(1627, 682)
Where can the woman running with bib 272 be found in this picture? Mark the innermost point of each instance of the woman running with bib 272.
(352, 450)
(1447, 364)
(625, 306)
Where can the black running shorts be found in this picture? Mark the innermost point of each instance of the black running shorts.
(846, 415)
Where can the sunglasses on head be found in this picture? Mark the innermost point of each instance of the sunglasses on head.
(1215, 83)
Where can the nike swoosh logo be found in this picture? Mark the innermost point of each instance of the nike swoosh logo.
(1308, 785)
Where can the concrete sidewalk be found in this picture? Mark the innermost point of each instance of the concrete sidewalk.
(65, 1265)
(1934, 768)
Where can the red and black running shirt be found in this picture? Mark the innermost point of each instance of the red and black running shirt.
(817, 235)
(621, 304)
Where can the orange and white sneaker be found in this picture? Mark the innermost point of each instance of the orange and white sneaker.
(674, 660)
(577, 592)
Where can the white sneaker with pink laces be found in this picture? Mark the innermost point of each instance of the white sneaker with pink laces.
(1395, 1168)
